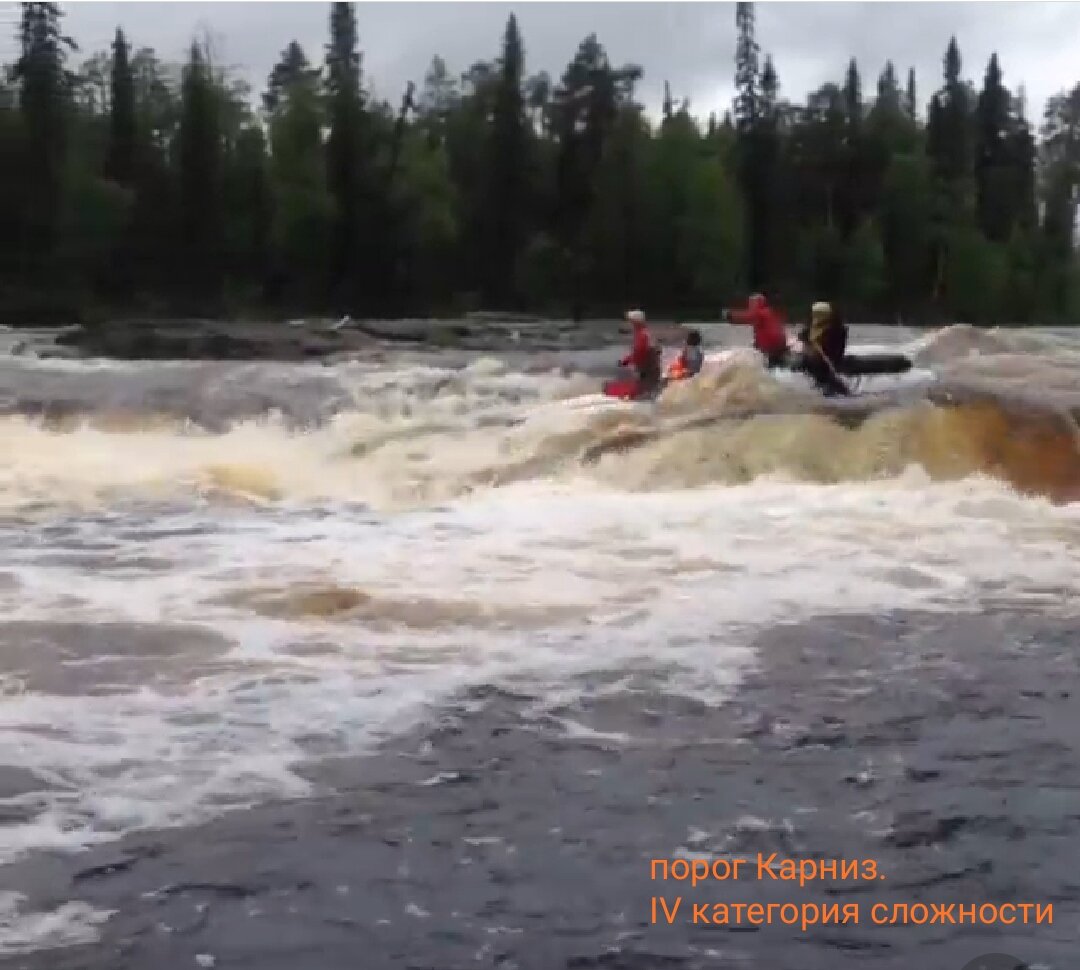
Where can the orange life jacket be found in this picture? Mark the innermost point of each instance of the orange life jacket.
(677, 369)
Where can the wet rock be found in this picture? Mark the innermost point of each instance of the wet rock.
(198, 339)
(210, 340)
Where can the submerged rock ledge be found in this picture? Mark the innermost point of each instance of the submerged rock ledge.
(198, 339)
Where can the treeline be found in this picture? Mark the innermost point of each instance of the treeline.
(131, 185)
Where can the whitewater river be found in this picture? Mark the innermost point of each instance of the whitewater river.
(364, 665)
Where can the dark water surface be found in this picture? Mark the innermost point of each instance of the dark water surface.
(942, 748)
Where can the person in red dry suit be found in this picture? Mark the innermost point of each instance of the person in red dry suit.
(644, 357)
(770, 337)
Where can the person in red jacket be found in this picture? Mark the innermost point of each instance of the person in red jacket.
(644, 356)
(642, 345)
(770, 337)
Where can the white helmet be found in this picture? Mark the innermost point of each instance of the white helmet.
(635, 316)
(821, 309)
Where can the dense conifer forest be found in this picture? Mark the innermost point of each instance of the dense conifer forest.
(134, 186)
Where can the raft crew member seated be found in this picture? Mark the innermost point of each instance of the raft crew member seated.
(770, 337)
(824, 344)
(690, 359)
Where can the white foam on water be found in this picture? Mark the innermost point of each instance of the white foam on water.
(72, 924)
(410, 434)
(671, 585)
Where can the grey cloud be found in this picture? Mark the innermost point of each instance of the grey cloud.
(690, 45)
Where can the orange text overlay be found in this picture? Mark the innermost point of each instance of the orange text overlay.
(666, 910)
(763, 868)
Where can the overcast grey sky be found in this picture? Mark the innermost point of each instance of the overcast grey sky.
(691, 45)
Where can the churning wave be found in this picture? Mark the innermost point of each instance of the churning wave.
(406, 434)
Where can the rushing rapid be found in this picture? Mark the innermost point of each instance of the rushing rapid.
(216, 575)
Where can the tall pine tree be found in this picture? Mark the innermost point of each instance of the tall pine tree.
(345, 174)
(911, 102)
(747, 74)
(291, 69)
(853, 188)
(507, 205)
(201, 202)
(995, 182)
(43, 104)
(755, 145)
(120, 154)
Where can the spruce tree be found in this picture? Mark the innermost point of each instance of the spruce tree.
(344, 155)
(200, 158)
(853, 188)
(120, 155)
(951, 139)
(586, 107)
(507, 163)
(292, 67)
(888, 89)
(911, 103)
(996, 178)
(747, 75)
(755, 145)
(43, 105)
